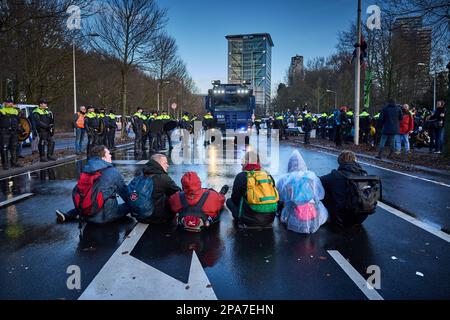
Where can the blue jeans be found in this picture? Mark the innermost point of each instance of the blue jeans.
(402, 138)
(79, 139)
(393, 142)
(109, 213)
(439, 139)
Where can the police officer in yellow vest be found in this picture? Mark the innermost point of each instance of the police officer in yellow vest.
(110, 128)
(258, 122)
(92, 126)
(103, 133)
(44, 123)
(364, 123)
(138, 120)
(9, 131)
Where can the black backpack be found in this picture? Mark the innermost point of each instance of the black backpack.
(364, 192)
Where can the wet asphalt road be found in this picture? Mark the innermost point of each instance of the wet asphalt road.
(239, 264)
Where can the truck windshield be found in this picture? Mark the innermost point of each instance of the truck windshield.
(230, 102)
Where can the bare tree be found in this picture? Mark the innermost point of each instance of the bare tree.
(126, 29)
(163, 61)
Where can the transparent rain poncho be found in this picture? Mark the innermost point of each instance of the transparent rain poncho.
(301, 192)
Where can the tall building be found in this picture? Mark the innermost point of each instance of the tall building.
(250, 59)
(412, 56)
(296, 69)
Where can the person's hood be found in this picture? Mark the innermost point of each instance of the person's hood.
(296, 162)
(352, 168)
(191, 183)
(252, 167)
(153, 167)
(96, 164)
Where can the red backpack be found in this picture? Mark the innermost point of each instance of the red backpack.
(88, 200)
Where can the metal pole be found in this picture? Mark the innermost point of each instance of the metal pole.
(335, 100)
(357, 74)
(74, 82)
(434, 92)
(157, 95)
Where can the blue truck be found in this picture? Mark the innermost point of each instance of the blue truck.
(231, 105)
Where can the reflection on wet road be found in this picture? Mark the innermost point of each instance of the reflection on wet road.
(239, 264)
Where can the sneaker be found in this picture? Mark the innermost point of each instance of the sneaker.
(378, 157)
(437, 152)
(51, 158)
(224, 189)
(60, 217)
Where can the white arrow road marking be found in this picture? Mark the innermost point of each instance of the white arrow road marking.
(15, 199)
(124, 277)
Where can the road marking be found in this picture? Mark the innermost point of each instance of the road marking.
(402, 173)
(354, 275)
(435, 231)
(124, 277)
(15, 199)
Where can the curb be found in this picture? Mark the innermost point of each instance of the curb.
(402, 164)
(39, 166)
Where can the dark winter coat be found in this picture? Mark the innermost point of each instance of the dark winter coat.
(390, 118)
(336, 190)
(163, 188)
(111, 184)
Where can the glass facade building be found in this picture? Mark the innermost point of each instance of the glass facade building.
(250, 59)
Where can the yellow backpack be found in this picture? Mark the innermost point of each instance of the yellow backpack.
(262, 195)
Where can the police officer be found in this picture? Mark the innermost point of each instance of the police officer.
(307, 126)
(92, 126)
(364, 123)
(258, 125)
(9, 130)
(103, 137)
(44, 122)
(111, 128)
(138, 120)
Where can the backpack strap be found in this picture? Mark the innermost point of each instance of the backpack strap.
(202, 201)
(183, 200)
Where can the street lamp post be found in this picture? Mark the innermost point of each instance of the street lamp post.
(74, 73)
(157, 91)
(335, 97)
(357, 73)
(434, 85)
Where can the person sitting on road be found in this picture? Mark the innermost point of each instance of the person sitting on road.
(337, 190)
(197, 207)
(163, 188)
(95, 195)
(255, 208)
(301, 193)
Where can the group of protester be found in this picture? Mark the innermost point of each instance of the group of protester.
(303, 200)
(398, 125)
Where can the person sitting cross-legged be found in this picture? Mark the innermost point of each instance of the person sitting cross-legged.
(95, 195)
(197, 207)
